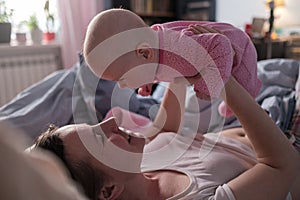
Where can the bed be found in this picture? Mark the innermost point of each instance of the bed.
(54, 99)
(279, 96)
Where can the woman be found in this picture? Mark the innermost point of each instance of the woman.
(253, 162)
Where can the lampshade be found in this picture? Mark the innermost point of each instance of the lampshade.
(277, 3)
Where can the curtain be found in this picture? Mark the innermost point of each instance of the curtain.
(75, 16)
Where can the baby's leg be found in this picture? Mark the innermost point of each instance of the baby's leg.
(210, 84)
(245, 72)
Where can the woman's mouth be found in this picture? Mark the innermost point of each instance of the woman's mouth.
(130, 134)
(128, 138)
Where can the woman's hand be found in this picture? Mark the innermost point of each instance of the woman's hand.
(188, 79)
(200, 29)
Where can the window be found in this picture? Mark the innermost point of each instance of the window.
(24, 9)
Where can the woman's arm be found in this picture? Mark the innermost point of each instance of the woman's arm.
(278, 162)
(170, 114)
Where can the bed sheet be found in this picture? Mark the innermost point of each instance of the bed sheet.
(281, 80)
(31, 111)
(68, 96)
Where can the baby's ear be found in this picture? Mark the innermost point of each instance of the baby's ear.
(144, 50)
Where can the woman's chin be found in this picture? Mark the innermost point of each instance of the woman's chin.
(125, 158)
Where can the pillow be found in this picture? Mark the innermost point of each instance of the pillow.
(35, 175)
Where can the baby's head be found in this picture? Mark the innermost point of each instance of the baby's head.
(118, 40)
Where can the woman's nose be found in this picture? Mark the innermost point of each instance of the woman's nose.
(109, 125)
(122, 85)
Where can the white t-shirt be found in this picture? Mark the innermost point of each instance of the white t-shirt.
(209, 161)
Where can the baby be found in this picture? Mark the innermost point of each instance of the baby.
(119, 46)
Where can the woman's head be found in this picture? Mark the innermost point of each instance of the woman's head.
(90, 179)
(76, 146)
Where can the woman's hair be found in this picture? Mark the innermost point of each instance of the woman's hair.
(90, 179)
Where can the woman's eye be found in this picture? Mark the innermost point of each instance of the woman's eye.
(100, 137)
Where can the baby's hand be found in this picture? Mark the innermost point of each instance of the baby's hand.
(192, 80)
(189, 79)
(203, 96)
(145, 90)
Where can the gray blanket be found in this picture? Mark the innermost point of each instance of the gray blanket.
(76, 95)
(70, 95)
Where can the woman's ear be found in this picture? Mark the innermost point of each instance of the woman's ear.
(143, 50)
(111, 191)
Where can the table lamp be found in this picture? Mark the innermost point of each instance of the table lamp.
(272, 4)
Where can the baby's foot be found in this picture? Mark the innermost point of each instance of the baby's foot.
(224, 110)
(145, 90)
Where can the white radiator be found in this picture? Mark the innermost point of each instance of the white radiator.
(20, 72)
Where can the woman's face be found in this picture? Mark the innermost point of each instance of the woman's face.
(105, 144)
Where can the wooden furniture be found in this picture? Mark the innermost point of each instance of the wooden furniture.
(267, 49)
(293, 47)
(202, 10)
(154, 11)
(283, 47)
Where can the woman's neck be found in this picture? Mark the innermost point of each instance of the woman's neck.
(167, 183)
(142, 187)
(156, 185)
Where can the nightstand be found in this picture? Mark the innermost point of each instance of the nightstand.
(274, 48)
(293, 47)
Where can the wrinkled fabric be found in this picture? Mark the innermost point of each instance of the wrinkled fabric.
(277, 97)
(68, 96)
(218, 55)
(215, 56)
(209, 161)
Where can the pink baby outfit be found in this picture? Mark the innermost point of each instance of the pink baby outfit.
(183, 53)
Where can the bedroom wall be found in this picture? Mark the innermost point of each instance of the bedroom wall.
(240, 12)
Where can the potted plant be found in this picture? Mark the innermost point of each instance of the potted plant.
(5, 22)
(49, 34)
(21, 33)
(35, 32)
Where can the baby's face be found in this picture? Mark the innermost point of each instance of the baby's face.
(138, 76)
(131, 71)
(131, 77)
